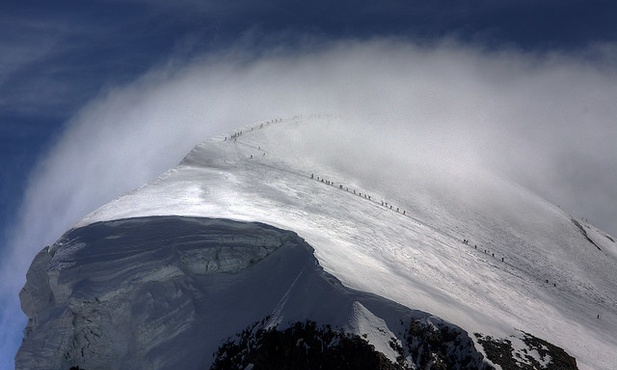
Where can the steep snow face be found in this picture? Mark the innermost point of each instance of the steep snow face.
(399, 234)
(164, 292)
(109, 292)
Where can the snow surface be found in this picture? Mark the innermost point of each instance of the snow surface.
(552, 282)
(165, 292)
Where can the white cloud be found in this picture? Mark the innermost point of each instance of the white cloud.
(527, 116)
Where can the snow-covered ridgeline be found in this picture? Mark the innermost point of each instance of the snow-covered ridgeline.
(552, 282)
(133, 297)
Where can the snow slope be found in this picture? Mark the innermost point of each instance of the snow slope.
(401, 237)
(163, 292)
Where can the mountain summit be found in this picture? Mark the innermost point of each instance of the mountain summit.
(277, 246)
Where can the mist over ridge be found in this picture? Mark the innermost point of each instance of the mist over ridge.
(528, 265)
(545, 121)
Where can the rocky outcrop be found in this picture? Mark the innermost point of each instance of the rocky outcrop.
(526, 352)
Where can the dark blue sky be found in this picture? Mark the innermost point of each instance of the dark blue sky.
(56, 56)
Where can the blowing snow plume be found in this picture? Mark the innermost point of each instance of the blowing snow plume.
(448, 109)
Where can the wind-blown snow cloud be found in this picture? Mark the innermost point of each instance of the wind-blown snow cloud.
(546, 121)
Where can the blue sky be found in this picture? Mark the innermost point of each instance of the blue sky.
(67, 62)
(57, 56)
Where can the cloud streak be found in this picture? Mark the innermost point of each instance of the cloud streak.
(546, 121)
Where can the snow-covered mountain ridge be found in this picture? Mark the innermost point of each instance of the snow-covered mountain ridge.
(526, 265)
(161, 292)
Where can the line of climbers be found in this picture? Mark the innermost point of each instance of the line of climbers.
(389, 206)
(366, 196)
(234, 136)
(277, 120)
(358, 193)
(475, 246)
